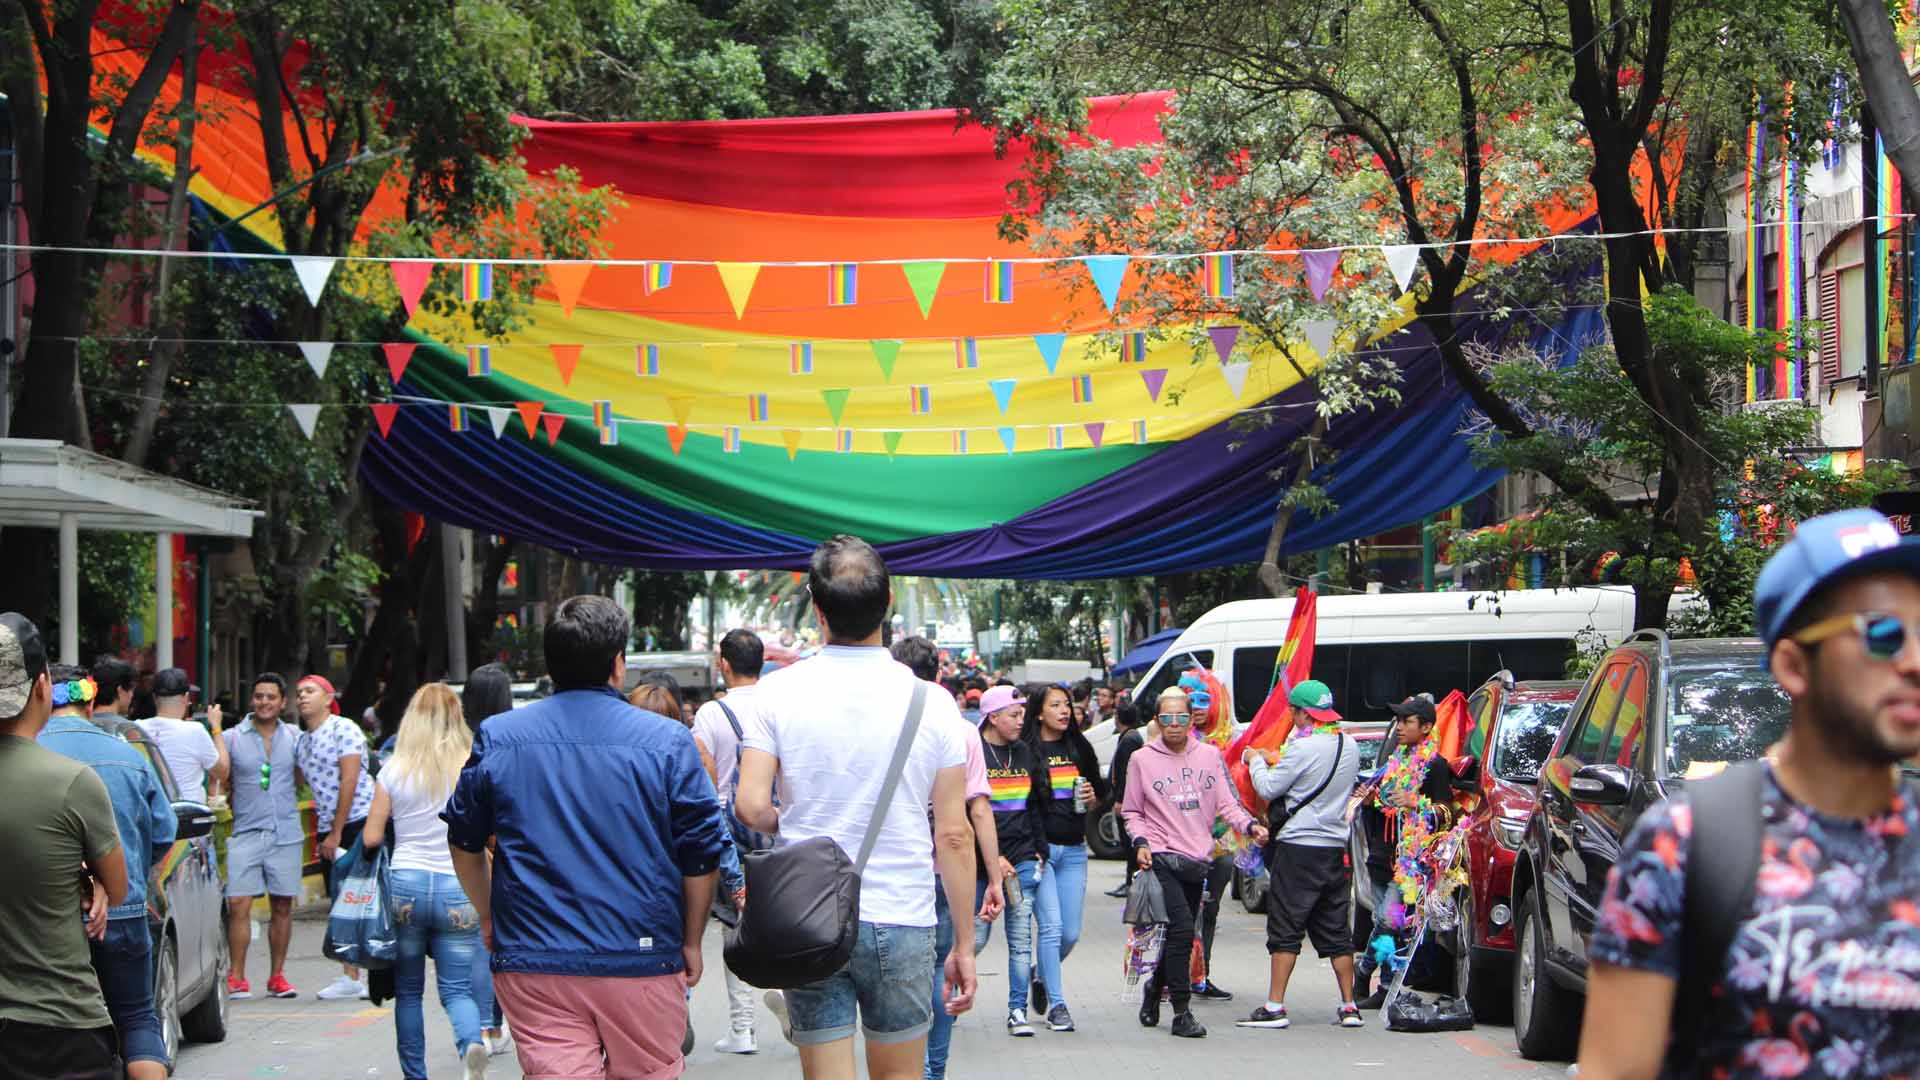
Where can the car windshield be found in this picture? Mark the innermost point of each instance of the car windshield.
(1722, 714)
(1524, 739)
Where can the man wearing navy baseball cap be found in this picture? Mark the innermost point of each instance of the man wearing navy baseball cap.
(1819, 977)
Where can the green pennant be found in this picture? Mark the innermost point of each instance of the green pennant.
(924, 278)
(886, 351)
(836, 403)
(893, 442)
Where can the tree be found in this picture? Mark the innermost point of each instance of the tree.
(1887, 83)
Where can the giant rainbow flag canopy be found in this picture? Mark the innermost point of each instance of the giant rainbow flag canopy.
(811, 326)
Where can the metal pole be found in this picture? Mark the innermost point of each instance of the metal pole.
(1426, 553)
(456, 603)
(69, 588)
(162, 601)
(203, 631)
(9, 288)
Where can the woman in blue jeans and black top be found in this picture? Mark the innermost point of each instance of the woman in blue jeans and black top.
(1075, 786)
(431, 914)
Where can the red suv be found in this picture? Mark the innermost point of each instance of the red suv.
(1521, 720)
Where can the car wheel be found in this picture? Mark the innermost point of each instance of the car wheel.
(1544, 1015)
(206, 1022)
(1103, 834)
(166, 996)
(1252, 890)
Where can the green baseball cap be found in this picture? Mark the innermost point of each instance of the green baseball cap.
(1313, 696)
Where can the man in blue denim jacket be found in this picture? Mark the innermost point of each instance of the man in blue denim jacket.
(607, 836)
(123, 960)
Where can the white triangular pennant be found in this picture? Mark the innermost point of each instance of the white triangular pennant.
(498, 418)
(306, 416)
(1236, 375)
(317, 354)
(1319, 335)
(313, 270)
(1401, 259)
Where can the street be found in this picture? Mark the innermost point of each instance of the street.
(307, 1038)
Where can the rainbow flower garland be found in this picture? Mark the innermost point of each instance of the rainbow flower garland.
(1405, 772)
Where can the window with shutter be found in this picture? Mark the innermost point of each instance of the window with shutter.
(1830, 328)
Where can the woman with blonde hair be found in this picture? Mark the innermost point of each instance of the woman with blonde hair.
(430, 911)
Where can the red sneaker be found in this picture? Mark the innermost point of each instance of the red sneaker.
(237, 988)
(279, 987)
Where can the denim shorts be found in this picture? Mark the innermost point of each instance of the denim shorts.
(888, 983)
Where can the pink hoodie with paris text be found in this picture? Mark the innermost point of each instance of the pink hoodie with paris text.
(1173, 799)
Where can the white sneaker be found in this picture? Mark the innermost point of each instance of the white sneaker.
(1017, 1025)
(501, 1043)
(475, 1060)
(343, 989)
(777, 1005)
(738, 1041)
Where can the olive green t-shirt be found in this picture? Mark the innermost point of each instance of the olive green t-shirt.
(54, 813)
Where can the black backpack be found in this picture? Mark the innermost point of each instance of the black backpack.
(802, 916)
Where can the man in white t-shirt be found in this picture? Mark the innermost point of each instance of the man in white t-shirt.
(192, 753)
(827, 727)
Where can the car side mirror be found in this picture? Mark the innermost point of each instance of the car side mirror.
(192, 820)
(1601, 785)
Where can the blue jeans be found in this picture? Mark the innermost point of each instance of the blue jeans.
(940, 1034)
(887, 984)
(123, 962)
(1059, 903)
(1019, 919)
(432, 917)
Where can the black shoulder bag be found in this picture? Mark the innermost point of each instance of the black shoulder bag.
(1278, 812)
(1720, 879)
(803, 900)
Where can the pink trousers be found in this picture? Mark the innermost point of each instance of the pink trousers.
(570, 1027)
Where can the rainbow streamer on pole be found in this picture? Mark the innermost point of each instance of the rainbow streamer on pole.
(843, 284)
(999, 287)
(1787, 364)
(757, 408)
(655, 276)
(1218, 273)
(479, 360)
(1082, 389)
(476, 282)
(966, 354)
(800, 358)
(646, 360)
(1880, 256)
(1756, 262)
(920, 400)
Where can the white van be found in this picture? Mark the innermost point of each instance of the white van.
(1375, 649)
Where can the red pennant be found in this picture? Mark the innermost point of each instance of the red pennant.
(398, 353)
(553, 422)
(383, 414)
(411, 279)
(529, 414)
(676, 434)
(565, 357)
(568, 279)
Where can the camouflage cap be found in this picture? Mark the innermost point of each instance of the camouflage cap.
(23, 658)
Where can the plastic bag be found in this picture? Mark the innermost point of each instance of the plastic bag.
(1411, 1012)
(1141, 959)
(360, 929)
(1146, 904)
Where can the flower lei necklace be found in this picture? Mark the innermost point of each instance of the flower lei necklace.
(1406, 772)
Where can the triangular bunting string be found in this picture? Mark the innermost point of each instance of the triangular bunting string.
(410, 278)
(924, 279)
(676, 435)
(1320, 268)
(553, 422)
(1236, 375)
(530, 414)
(313, 272)
(383, 414)
(1319, 333)
(738, 279)
(499, 418)
(1155, 378)
(1006, 438)
(1002, 393)
(792, 439)
(836, 403)
(1224, 338)
(892, 441)
(1096, 432)
(306, 416)
(1107, 271)
(317, 354)
(566, 358)
(1049, 346)
(886, 352)
(1401, 260)
(681, 407)
(568, 280)
(398, 354)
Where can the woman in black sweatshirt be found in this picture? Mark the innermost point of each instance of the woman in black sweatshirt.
(1076, 786)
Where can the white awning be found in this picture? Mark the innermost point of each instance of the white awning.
(41, 479)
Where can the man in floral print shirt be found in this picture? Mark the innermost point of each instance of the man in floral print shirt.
(1823, 975)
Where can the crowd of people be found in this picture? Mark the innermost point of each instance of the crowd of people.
(559, 862)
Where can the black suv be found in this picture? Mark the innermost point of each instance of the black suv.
(1654, 714)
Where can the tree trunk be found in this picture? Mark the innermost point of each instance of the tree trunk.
(1889, 88)
(1650, 605)
(481, 648)
(166, 347)
(391, 641)
(1270, 574)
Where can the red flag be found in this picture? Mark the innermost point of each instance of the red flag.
(398, 353)
(553, 422)
(1274, 722)
(1452, 726)
(566, 358)
(383, 414)
(411, 277)
(530, 414)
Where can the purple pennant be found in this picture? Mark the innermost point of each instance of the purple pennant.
(1320, 268)
(1094, 433)
(1154, 378)
(1224, 339)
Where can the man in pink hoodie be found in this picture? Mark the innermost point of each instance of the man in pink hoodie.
(1177, 787)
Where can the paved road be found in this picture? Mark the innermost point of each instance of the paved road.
(307, 1038)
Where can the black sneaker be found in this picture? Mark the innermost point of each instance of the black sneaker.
(1186, 1027)
(1212, 991)
(1150, 1009)
(1264, 1017)
(1350, 1017)
(1374, 1000)
(1059, 1019)
(1118, 892)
